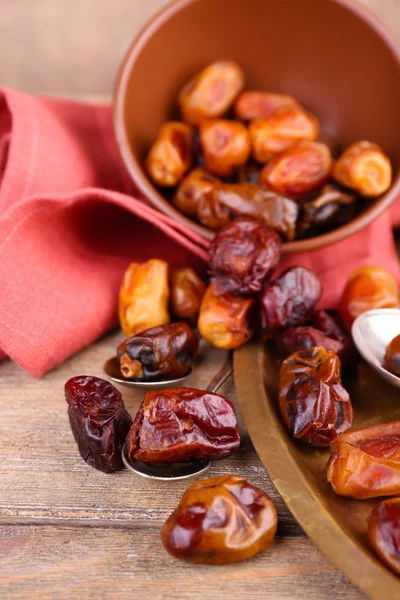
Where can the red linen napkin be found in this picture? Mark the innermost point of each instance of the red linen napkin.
(69, 226)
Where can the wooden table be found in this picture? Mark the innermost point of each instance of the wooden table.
(68, 531)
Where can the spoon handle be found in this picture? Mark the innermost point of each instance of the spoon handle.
(221, 376)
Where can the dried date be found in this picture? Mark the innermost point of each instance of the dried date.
(313, 403)
(331, 208)
(181, 424)
(187, 291)
(392, 356)
(252, 105)
(365, 168)
(384, 532)
(225, 145)
(98, 421)
(170, 156)
(220, 520)
(196, 186)
(160, 353)
(366, 463)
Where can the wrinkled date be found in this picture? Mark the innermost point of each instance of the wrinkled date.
(384, 532)
(281, 131)
(366, 463)
(243, 256)
(314, 404)
(210, 93)
(328, 323)
(298, 171)
(289, 300)
(365, 168)
(187, 291)
(332, 207)
(170, 156)
(225, 145)
(225, 321)
(143, 296)
(252, 105)
(196, 186)
(368, 288)
(392, 356)
(164, 352)
(98, 421)
(181, 424)
(220, 520)
(305, 338)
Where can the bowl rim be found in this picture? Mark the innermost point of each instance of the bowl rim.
(150, 192)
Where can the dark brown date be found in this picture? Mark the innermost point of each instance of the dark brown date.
(225, 145)
(392, 356)
(289, 300)
(164, 352)
(243, 256)
(305, 338)
(299, 170)
(211, 212)
(220, 520)
(181, 424)
(98, 421)
(329, 324)
(170, 156)
(187, 291)
(331, 208)
(252, 105)
(249, 173)
(314, 404)
(384, 532)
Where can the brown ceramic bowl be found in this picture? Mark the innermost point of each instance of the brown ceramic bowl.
(332, 55)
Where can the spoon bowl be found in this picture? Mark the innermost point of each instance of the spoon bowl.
(372, 331)
(112, 370)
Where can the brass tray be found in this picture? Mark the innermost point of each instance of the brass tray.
(337, 525)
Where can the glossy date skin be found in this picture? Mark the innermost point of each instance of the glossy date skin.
(164, 352)
(305, 338)
(225, 145)
(384, 532)
(299, 170)
(253, 104)
(331, 208)
(220, 520)
(365, 168)
(98, 421)
(330, 324)
(243, 257)
(368, 288)
(289, 300)
(197, 185)
(187, 291)
(366, 463)
(182, 424)
(143, 296)
(210, 93)
(225, 321)
(313, 403)
(170, 156)
(392, 356)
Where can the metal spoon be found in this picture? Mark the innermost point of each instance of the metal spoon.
(372, 331)
(112, 370)
(184, 470)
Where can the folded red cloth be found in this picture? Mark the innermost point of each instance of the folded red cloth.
(69, 226)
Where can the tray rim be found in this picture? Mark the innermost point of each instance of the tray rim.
(345, 552)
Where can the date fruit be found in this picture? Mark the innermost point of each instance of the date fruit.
(289, 300)
(170, 156)
(252, 105)
(365, 168)
(143, 296)
(182, 424)
(197, 185)
(98, 421)
(210, 93)
(305, 338)
(366, 463)
(187, 291)
(314, 404)
(331, 208)
(243, 256)
(225, 145)
(392, 356)
(328, 323)
(225, 321)
(384, 532)
(220, 520)
(368, 288)
(299, 170)
(280, 132)
(164, 352)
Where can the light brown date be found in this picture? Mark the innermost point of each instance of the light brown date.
(280, 132)
(225, 145)
(187, 291)
(220, 520)
(366, 463)
(196, 187)
(170, 156)
(384, 532)
(252, 105)
(365, 168)
(143, 296)
(299, 170)
(225, 321)
(210, 93)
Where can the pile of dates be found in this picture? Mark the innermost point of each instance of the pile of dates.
(256, 153)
